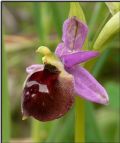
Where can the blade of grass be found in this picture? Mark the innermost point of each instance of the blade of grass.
(5, 98)
(42, 18)
(57, 17)
(66, 134)
(37, 18)
(94, 17)
(100, 62)
(55, 126)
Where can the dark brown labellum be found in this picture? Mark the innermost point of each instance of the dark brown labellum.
(47, 94)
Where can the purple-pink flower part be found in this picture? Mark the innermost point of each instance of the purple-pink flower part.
(71, 54)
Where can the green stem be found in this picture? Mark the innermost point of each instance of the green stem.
(36, 131)
(5, 99)
(79, 120)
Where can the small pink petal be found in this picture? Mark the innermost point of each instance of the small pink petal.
(87, 86)
(78, 57)
(31, 69)
(60, 50)
(74, 33)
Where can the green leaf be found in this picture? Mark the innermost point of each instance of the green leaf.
(114, 7)
(76, 10)
(111, 27)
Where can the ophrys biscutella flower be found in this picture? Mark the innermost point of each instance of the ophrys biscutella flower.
(50, 88)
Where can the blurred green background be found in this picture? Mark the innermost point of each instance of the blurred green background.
(27, 25)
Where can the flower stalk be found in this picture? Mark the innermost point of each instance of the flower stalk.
(80, 120)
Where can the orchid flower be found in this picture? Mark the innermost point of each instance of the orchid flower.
(50, 88)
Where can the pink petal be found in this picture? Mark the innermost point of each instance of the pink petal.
(74, 33)
(87, 86)
(78, 57)
(60, 50)
(31, 69)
